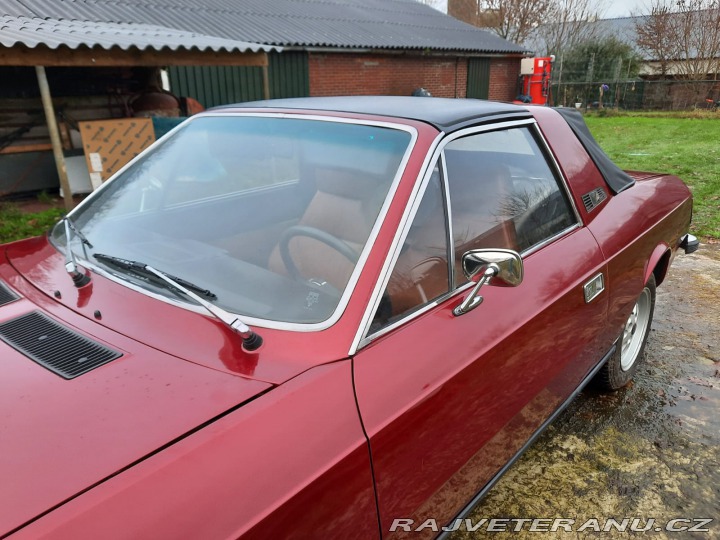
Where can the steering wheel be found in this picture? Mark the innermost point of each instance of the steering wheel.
(316, 234)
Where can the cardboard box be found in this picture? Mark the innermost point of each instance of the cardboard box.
(110, 144)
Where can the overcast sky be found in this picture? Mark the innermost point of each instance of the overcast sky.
(625, 8)
(613, 8)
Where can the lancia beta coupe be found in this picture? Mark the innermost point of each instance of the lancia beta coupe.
(317, 316)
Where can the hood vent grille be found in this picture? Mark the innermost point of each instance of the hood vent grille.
(54, 346)
(6, 295)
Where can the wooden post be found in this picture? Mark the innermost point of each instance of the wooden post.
(54, 136)
(266, 82)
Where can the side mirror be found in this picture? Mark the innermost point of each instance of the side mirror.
(501, 267)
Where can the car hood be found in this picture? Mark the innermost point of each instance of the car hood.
(190, 334)
(60, 437)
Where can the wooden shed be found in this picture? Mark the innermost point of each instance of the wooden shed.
(56, 73)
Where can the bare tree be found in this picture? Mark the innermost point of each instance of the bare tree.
(514, 19)
(654, 35)
(465, 10)
(545, 25)
(570, 24)
(699, 25)
(683, 40)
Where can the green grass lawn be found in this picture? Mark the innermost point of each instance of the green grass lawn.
(16, 224)
(686, 147)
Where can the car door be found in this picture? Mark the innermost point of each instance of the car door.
(447, 400)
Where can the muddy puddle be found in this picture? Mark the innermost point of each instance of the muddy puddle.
(651, 450)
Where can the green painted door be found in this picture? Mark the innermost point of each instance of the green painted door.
(478, 79)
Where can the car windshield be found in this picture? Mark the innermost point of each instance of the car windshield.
(271, 214)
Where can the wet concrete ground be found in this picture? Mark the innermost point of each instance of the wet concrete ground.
(650, 450)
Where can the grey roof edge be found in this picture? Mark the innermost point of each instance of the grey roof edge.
(176, 48)
(483, 41)
(312, 47)
(34, 32)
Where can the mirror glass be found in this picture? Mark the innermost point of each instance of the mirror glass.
(509, 266)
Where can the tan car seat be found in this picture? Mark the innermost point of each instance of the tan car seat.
(345, 205)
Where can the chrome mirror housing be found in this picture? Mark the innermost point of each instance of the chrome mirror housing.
(502, 267)
(509, 263)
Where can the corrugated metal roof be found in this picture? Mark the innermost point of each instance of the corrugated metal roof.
(365, 24)
(53, 33)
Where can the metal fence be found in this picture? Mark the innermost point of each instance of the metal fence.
(638, 94)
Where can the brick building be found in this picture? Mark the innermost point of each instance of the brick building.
(379, 74)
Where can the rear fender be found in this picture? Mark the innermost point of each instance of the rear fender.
(658, 263)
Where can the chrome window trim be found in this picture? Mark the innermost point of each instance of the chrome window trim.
(362, 337)
(411, 316)
(362, 259)
(461, 289)
(532, 249)
(449, 221)
(400, 235)
(159, 142)
(485, 128)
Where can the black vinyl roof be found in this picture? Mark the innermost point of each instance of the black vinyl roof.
(344, 24)
(616, 178)
(443, 113)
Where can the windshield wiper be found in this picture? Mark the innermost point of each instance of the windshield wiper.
(81, 236)
(251, 340)
(142, 268)
(80, 279)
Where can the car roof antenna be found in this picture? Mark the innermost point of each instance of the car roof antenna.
(80, 279)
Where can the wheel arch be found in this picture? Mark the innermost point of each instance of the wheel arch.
(658, 264)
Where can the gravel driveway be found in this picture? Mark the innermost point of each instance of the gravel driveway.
(650, 450)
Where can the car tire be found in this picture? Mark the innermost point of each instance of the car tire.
(630, 346)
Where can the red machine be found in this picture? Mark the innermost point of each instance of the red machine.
(534, 81)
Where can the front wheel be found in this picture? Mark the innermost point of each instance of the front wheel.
(620, 368)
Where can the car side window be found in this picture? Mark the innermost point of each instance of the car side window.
(503, 193)
(421, 272)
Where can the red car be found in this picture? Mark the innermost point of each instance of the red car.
(320, 317)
